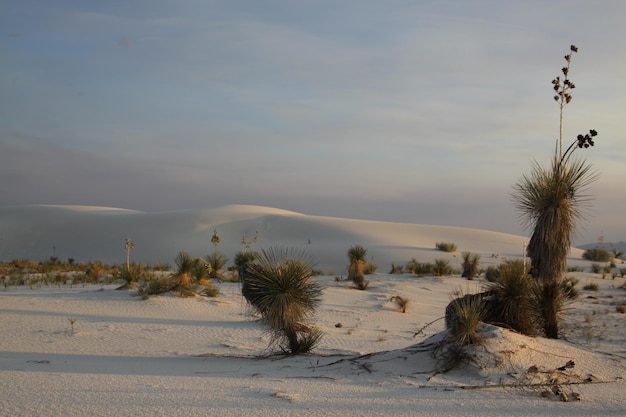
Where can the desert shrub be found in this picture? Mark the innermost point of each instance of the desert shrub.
(278, 286)
(356, 269)
(446, 246)
(418, 268)
(396, 269)
(598, 254)
(441, 267)
(401, 302)
(621, 308)
(491, 273)
(465, 313)
(568, 287)
(575, 269)
(217, 261)
(244, 257)
(463, 317)
(596, 268)
(209, 290)
(513, 298)
(470, 265)
(130, 274)
(370, 268)
(155, 286)
(189, 271)
(591, 286)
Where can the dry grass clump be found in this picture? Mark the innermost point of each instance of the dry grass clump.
(441, 267)
(418, 268)
(446, 246)
(400, 302)
(470, 265)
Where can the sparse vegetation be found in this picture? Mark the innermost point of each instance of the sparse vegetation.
(598, 254)
(441, 267)
(446, 246)
(396, 269)
(470, 265)
(419, 268)
(400, 302)
(591, 286)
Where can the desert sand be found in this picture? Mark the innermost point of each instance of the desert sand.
(209, 356)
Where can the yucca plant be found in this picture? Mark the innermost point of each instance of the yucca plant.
(130, 274)
(550, 201)
(467, 313)
(356, 269)
(217, 261)
(513, 298)
(278, 286)
(470, 265)
(185, 268)
(441, 267)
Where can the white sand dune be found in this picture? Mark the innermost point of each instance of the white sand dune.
(90, 233)
(195, 356)
(208, 356)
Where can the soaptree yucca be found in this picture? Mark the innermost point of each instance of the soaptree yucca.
(356, 269)
(279, 287)
(551, 201)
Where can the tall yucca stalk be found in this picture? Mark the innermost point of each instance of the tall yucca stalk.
(278, 286)
(551, 201)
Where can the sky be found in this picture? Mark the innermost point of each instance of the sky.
(411, 111)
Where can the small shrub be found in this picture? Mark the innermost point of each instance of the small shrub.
(463, 315)
(470, 265)
(419, 268)
(356, 269)
(491, 273)
(396, 269)
(370, 268)
(209, 290)
(514, 298)
(596, 268)
(598, 254)
(401, 302)
(568, 287)
(441, 267)
(72, 321)
(591, 286)
(155, 286)
(446, 246)
(217, 261)
(621, 308)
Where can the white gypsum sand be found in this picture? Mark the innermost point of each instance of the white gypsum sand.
(92, 350)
